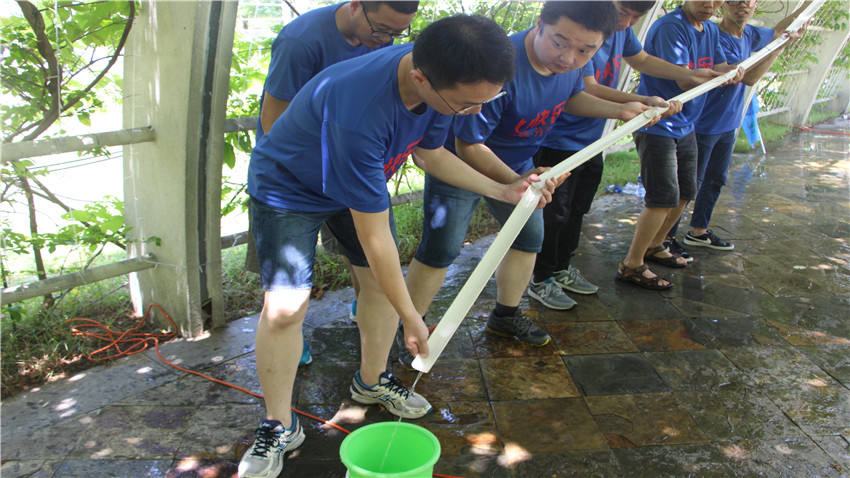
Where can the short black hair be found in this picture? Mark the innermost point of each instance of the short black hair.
(464, 49)
(595, 16)
(406, 7)
(637, 6)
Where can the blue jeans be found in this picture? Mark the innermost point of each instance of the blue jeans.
(286, 243)
(447, 211)
(715, 156)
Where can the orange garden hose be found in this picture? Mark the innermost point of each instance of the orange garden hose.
(131, 342)
(806, 128)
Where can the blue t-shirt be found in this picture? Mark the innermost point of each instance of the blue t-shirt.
(724, 106)
(343, 136)
(673, 38)
(573, 133)
(303, 48)
(514, 126)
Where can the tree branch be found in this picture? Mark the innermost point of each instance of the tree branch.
(55, 200)
(51, 117)
(53, 79)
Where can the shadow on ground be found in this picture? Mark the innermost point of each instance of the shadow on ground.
(743, 369)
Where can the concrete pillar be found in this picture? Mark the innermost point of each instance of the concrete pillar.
(176, 76)
(804, 91)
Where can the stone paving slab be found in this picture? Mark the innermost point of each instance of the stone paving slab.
(743, 369)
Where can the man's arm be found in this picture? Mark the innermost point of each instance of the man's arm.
(783, 24)
(585, 104)
(683, 76)
(447, 167)
(617, 96)
(271, 111)
(755, 72)
(374, 234)
(484, 160)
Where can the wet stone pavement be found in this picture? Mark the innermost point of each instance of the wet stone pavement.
(743, 369)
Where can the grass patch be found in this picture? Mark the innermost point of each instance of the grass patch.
(620, 168)
(37, 344)
(770, 132)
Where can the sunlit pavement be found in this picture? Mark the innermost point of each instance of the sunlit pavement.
(743, 369)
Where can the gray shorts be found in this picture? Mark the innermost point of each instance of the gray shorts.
(668, 167)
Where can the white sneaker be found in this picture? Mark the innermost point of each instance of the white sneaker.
(264, 459)
(390, 393)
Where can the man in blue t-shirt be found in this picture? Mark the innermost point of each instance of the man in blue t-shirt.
(325, 36)
(717, 127)
(667, 150)
(326, 160)
(500, 142)
(562, 218)
(311, 43)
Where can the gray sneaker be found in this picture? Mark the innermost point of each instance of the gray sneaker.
(572, 280)
(264, 459)
(550, 294)
(390, 393)
(517, 327)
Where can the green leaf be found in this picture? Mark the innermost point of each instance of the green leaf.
(229, 156)
(114, 224)
(82, 216)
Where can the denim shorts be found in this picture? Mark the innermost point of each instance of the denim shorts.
(286, 243)
(668, 167)
(448, 210)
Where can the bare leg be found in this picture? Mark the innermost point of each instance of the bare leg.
(278, 349)
(423, 283)
(354, 281)
(378, 322)
(672, 216)
(648, 226)
(512, 276)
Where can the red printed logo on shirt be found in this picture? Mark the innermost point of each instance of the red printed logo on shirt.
(540, 125)
(610, 72)
(393, 164)
(706, 62)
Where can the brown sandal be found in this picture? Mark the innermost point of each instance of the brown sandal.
(635, 276)
(672, 261)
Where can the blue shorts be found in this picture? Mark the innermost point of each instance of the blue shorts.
(286, 243)
(448, 210)
(668, 167)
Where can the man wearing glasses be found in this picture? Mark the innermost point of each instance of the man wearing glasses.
(322, 37)
(668, 150)
(723, 114)
(563, 216)
(311, 43)
(500, 141)
(327, 160)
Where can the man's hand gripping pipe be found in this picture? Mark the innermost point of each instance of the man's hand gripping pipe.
(484, 270)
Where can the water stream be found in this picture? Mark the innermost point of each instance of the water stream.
(395, 430)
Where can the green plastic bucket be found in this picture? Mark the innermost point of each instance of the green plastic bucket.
(367, 452)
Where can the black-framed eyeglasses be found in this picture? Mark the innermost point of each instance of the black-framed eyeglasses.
(735, 3)
(383, 34)
(466, 110)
